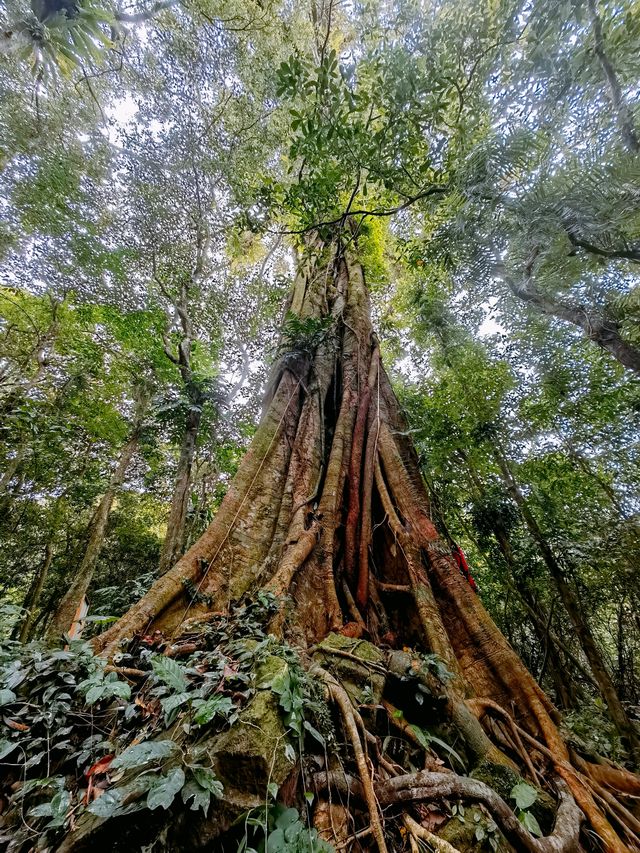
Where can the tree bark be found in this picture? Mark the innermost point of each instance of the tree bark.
(32, 599)
(623, 115)
(181, 356)
(173, 545)
(602, 330)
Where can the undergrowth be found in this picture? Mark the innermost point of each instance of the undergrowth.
(77, 735)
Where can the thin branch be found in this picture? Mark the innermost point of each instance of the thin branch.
(433, 190)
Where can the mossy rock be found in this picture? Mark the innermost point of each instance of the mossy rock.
(472, 832)
(503, 779)
(251, 754)
(363, 683)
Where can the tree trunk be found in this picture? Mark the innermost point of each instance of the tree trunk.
(569, 599)
(602, 330)
(174, 540)
(331, 420)
(624, 118)
(563, 683)
(63, 617)
(32, 599)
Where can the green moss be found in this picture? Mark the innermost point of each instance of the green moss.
(252, 753)
(472, 831)
(503, 779)
(363, 683)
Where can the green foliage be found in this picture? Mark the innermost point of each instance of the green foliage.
(277, 829)
(592, 731)
(304, 335)
(466, 156)
(54, 700)
(525, 796)
(426, 739)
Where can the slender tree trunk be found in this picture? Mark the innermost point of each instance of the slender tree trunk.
(570, 601)
(563, 683)
(623, 115)
(283, 524)
(24, 630)
(12, 466)
(173, 545)
(68, 606)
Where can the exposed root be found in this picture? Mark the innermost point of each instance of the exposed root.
(292, 561)
(355, 465)
(429, 786)
(341, 698)
(353, 608)
(363, 833)
(440, 845)
(580, 787)
(127, 671)
(614, 777)
(362, 593)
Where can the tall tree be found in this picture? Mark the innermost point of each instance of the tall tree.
(377, 111)
(333, 423)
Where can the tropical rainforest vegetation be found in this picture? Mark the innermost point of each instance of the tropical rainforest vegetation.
(319, 394)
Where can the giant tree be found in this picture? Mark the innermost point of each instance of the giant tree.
(328, 518)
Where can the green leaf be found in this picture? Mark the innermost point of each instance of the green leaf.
(425, 739)
(42, 810)
(7, 696)
(524, 795)
(123, 800)
(449, 750)
(421, 736)
(170, 672)
(6, 747)
(216, 706)
(59, 808)
(171, 704)
(531, 823)
(106, 805)
(94, 694)
(118, 690)
(143, 753)
(162, 793)
(201, 798)
(314, 733)
(207, 779)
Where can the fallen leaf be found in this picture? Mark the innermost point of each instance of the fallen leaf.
(101, 766)
(18, 727)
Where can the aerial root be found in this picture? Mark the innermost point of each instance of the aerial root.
(341, 698)
(584, 788)
(620, 780)
(429, 786)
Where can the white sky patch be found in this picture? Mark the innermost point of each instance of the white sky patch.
(490, 325)
(121, 114)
